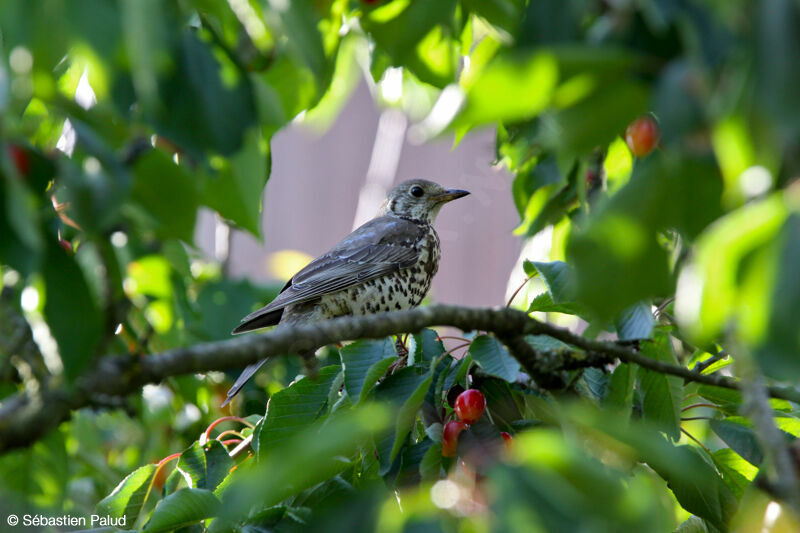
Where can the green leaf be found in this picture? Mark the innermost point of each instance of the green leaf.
(235, 190)
(16, 250)
(206, 101)
(543, 303)
(546, 343)
(406, 389)
(335, 487)
(617, 255)
(777, 352)
(167, 193)
(635, 323)
(399, 34)
(620, 388)
(430, 467)
(741, 438)
(407, 415)
(704, 493)
(595, 120)
(305, 459)
(693, 524)
(493, 358)
(731, 273)
(207, 465)
(362, 360)
(500, 403)
(515, 149)
(737, 473)
(510, 88)
(297, 21)
(295, 408)
(41, 472)
(695, 482)
(557, 276)
(375, 372)
(505, 14)
(181, 509)
(225, 298)
(411, 458)
(661, 394)
(424, 346)
(128, 498)
(555, 485)
(67, 297)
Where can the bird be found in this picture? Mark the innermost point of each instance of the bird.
(386, 264)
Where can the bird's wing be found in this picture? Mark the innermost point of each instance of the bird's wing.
(379, 247)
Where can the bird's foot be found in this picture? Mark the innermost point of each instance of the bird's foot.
(400, 346)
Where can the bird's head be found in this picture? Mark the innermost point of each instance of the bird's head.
(418, 200)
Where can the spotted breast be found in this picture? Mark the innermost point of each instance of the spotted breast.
(403, 289)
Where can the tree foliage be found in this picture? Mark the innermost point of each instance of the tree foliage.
(121, 120)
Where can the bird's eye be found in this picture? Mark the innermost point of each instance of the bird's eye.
(417, 191)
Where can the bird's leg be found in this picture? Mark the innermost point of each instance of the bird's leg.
(400, 345)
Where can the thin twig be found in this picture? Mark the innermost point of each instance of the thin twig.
(508, 303)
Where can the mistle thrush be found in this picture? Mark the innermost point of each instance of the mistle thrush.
(384, 265)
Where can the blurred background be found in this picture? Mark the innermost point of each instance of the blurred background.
(164, 166)
(324, 184)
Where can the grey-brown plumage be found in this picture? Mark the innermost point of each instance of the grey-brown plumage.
(387, 264)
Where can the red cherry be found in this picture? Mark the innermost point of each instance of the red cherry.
(20, 158)
(507, 438)
(642, 135)
(470, 405)
(450, 437)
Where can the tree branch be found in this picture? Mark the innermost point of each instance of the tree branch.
(29, 415)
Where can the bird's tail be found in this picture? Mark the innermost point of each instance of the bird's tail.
(243, 378)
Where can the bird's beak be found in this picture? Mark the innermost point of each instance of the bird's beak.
(450, 195)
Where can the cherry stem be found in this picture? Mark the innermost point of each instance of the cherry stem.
(230, 432)
(220, 420)
(694, 439)
(167, 459)
(508, 304)
(448, 352)
(685, 419)
(159, 466)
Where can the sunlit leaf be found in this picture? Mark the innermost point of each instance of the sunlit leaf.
(128, 498)
(181, 509)
(525, 82)
(207, 464)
